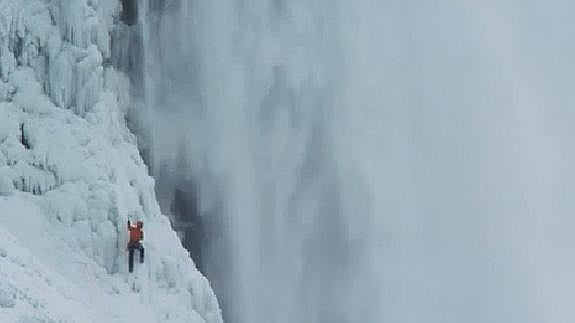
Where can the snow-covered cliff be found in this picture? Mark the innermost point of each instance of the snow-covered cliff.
(71, 176)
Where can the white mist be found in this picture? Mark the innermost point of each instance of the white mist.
(373, 161)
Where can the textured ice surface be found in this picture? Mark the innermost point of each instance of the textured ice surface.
(71, 176)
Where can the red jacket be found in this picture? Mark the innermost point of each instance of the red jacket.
(136, 233)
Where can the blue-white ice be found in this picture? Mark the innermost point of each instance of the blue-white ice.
(71, 176)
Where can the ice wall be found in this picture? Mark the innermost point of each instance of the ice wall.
(71, 176)
(373, 161)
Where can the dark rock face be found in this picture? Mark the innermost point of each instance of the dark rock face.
(187, 220)
(129, 12)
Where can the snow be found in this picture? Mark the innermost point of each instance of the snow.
(48, 275)
(71, 176)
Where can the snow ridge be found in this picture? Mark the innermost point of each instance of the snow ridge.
(71, 176)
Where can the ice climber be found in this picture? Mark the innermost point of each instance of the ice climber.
(136, 237)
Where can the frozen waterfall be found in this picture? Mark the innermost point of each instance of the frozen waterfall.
(368, 161)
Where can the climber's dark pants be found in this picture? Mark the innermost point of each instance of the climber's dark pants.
(131, 248)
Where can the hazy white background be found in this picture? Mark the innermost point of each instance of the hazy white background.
(374, 161)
